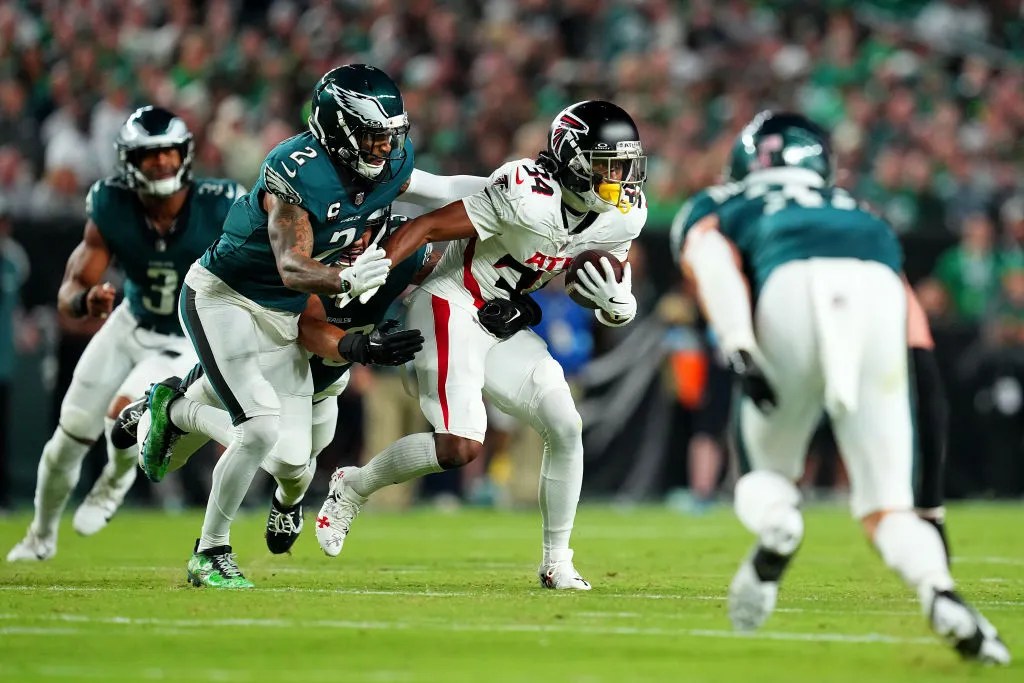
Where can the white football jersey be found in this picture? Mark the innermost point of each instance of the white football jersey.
(524, 237)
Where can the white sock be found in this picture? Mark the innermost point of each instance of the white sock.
(56, 477)
(121, 462)
(233, 475)
(561, 470)
(193, 416)
(410, 457)
(766, 504)
(913, 548)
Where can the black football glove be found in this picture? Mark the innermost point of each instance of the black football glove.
(505, 317)
(752, 380)
(382, 346)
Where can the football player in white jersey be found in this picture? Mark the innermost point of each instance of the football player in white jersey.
(583, 192)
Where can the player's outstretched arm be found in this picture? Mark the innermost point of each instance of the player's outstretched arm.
(81, 293)
(450, 222)
(383, 346)
(712, 260)
(434, 191)
(291, 238)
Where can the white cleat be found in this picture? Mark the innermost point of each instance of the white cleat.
(337, 512)
(32, 548)
(751, 600)
(966, 630)
(558, 573)
(102, 502)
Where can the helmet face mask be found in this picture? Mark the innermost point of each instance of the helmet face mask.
(600, 160)
(358, 115)
(148, 130)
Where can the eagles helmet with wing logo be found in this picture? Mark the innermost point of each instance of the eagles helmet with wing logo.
(780, 139)
(358, 115)
(147, 129)
(595, 152)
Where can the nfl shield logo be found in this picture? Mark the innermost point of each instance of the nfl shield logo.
(359, 198)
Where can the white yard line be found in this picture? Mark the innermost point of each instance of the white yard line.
(478, 594)
(850, 638)
(1015, 561)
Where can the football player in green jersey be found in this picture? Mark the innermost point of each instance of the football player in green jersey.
(802, 287)
(336, 337)
(241, 301)
(153, 219)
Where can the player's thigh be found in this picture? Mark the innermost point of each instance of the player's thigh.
(228, 342)
(103, 366)
(786, 337)
(520, 373)
(451, 367)
(876, 439)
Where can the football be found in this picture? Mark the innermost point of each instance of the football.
(589, 256)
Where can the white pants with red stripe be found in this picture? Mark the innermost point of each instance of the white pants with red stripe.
(461, 363)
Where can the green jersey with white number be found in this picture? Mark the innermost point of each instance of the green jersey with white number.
(298, 171)
(155, 265)
(359, 317)
(782, 215)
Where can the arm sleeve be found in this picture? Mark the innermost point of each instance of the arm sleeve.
(434, 191)
(722, 289)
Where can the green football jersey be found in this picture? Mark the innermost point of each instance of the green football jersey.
(773, 222)
(300, 172)
(357, 317)
(155, 265)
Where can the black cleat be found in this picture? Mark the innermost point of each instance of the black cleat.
(126, 425)
(283, 526)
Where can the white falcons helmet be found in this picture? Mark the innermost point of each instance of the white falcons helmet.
(150, 128)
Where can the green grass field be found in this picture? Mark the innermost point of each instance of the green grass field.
(427, 596)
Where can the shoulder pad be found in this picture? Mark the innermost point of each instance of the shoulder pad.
(218, 188)
(104, 194)
(281, 170)
(698, 206)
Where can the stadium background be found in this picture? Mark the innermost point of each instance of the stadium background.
(926, 100)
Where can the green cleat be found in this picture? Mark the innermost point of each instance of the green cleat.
(162, 434)
(216, 568)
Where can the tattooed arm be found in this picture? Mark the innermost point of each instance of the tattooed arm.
(291, 238)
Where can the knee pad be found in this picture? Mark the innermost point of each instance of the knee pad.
(766, 504)
(80, 424)
(557, 418)
(260, 432)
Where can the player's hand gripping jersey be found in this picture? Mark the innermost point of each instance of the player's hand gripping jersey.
(526, 236)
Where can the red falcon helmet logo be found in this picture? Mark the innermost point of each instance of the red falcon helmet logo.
(569, 126)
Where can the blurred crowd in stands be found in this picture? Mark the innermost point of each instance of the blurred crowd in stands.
(925, 98)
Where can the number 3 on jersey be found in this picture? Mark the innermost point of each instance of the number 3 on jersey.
(163, 282)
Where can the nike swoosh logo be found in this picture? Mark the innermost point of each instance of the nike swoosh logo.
(618, 303)
(519, 180)
(290, 172)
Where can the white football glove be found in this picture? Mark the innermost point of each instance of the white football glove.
(614, 299)
(364, 277)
